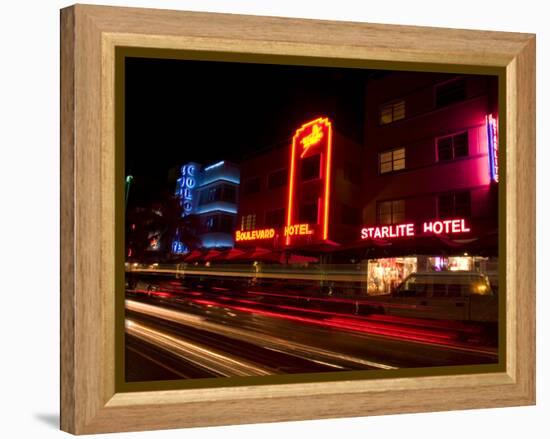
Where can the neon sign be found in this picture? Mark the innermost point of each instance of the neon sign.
(215, 165)
(492, 144)
(185, 187)
(445, 226)
(391, 231)
(179, 248)
(313, 136)
(298, 229)
(154, 241)
(253, 235)
(435, 227)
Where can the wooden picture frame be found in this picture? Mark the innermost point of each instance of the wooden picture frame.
(90, 400)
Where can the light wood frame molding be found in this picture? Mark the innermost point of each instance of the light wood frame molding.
(89, 35)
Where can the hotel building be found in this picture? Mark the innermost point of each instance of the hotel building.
(210, 193)
(429, 156)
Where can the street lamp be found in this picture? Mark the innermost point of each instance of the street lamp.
(129, 180)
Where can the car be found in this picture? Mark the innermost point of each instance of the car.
(449, 295)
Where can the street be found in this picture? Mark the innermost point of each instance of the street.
(178, 330)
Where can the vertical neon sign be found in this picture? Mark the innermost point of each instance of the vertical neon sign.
(492, 143)
(311, 138)
(186, 187)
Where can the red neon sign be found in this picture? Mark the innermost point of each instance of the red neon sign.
(298, 229)
(435, 227)
(253, 235)
(312, 137)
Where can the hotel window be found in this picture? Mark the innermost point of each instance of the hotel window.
(248, 222)
(454, 205)
(308, 213)
(221, 192)
(226, 224)
(209, 195)
(450, 92)
(391, 212)
(390, 161)
(275, 218)
(277, 179)
(252, 185)
(392, 112)
(311, 167)
(452, 147)
(229, 193)
(219, 223)
(209, 223)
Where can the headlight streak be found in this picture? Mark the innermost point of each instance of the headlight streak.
(286, 346)
(428, 337)
(221, 364)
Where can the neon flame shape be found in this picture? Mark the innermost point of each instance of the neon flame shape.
(311, 139)
(315, 136)
(492, 142)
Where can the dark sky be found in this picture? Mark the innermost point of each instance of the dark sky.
(179, 111)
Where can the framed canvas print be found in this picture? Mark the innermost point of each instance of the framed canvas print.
(270, 219)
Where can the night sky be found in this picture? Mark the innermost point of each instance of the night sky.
(204, 111)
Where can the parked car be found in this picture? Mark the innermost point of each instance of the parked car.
(450, 295)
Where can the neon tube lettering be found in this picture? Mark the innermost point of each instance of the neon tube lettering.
(253, 235)
(436, 227)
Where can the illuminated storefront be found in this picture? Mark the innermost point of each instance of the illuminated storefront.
(385, 274)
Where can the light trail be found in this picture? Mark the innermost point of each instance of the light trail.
(394, 332)
(415, 330)
(286, 275)
(288, 347)
(446, 339)
(445, 325)
(357, 321)
(220, 363)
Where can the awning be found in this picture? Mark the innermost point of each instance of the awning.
(211, 255)
(195, 255)
(233, 253)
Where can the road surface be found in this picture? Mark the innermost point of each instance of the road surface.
(178, 331)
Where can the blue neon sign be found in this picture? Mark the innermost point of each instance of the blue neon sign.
(215, 165)
(185, 187)
(179, 247)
